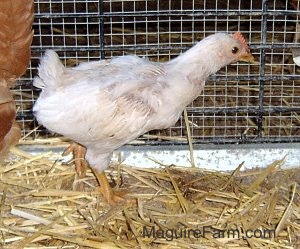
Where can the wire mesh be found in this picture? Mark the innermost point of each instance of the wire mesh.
(241, 103)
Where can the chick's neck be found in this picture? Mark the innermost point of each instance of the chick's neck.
(199, 62)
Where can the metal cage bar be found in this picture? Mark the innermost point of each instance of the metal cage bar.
(240, 104)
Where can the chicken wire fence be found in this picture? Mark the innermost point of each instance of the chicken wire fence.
(242, 103)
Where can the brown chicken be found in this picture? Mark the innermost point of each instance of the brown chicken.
(16, 17)
(9, 129)
(103, 105)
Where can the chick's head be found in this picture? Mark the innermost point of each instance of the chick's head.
(235, 48)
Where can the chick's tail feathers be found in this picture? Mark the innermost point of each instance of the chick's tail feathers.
(49, 72)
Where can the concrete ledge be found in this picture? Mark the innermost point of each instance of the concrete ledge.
(213, 157)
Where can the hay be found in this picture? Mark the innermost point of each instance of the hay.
(43, 204)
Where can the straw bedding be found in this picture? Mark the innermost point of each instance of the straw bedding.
(43, 204)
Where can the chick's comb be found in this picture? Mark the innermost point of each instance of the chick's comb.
(238, 36)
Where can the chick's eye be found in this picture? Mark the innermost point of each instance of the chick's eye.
(234, 50)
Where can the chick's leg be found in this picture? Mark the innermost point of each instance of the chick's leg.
(111, 197)
(78, 152)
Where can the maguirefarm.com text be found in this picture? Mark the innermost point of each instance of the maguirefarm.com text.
(205, 231)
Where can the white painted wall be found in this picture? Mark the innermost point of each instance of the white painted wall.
(220, 157)
(212, 157)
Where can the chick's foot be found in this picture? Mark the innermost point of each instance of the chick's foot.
(78, 152)
(111, 196)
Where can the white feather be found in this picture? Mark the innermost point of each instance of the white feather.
(297, 60)
(105, 104)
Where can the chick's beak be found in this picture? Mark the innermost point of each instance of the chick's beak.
(247, 57)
